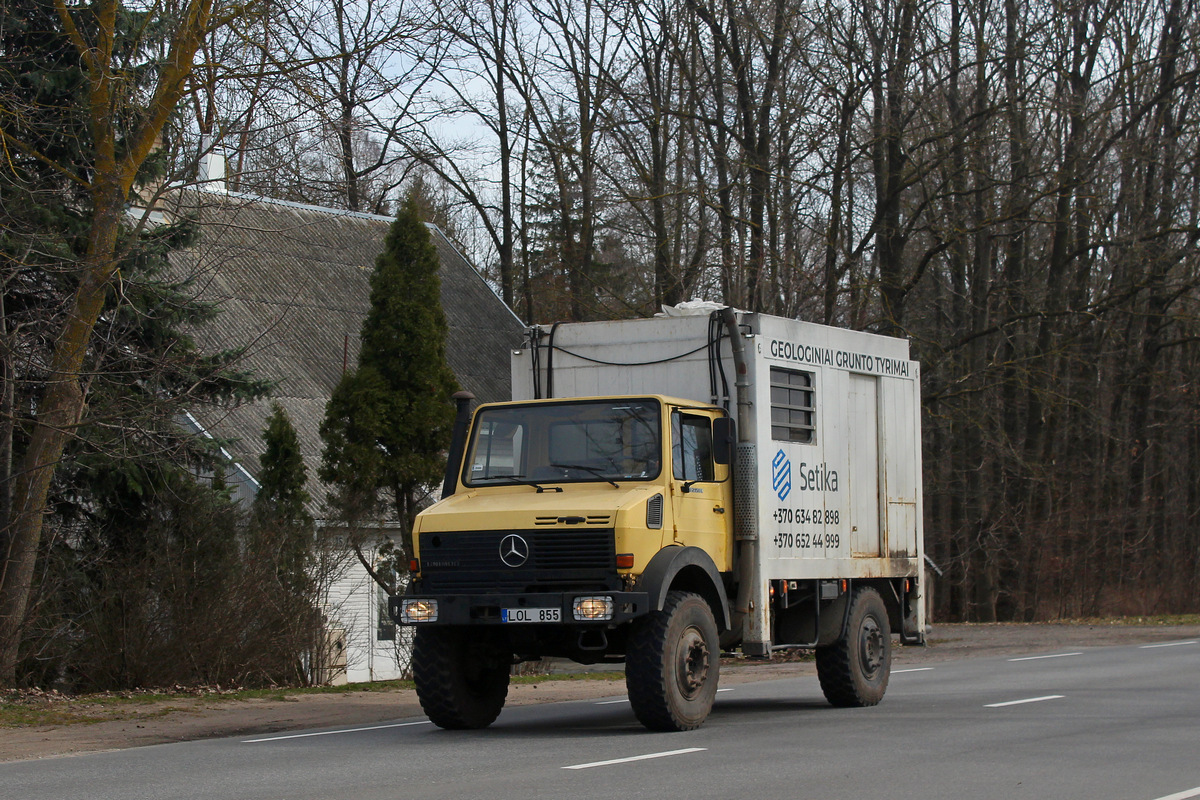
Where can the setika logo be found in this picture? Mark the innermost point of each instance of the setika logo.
(781, 475)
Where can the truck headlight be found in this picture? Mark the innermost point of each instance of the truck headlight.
(415, 609)
(593, 608)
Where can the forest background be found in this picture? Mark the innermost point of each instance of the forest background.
(1014, 185)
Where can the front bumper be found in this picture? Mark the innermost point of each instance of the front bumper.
(486, 609)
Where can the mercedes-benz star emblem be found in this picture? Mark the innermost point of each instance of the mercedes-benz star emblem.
(514, 550)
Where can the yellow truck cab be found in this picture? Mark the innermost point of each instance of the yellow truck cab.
(632, 475)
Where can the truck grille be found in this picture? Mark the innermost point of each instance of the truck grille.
(490, 562)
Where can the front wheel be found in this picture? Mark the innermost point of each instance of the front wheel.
(673, 664)
(854, 670)
(461, 680)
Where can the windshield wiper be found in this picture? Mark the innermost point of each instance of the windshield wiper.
(518, 480)
(597, 471)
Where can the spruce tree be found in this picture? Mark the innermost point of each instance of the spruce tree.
(283, 545)
(282, 528)
(388, 422)
(283, 476)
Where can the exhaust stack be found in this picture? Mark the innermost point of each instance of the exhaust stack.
(752, 596)
(462, 401)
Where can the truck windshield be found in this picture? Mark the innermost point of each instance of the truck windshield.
(603, 441)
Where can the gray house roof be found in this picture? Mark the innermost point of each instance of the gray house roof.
(292, 283)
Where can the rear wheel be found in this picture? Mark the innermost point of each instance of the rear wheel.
(461, 677)
(673, 664)
(854, 670)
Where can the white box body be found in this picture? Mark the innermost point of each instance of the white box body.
(846, 504)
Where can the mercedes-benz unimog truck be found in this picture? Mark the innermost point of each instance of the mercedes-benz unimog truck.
(661, 491)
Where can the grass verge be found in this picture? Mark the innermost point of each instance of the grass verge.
(32, 708)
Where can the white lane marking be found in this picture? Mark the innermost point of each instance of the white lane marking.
(1184, 795)
(1168, 644)
(724, 690)
(1035, 658)
(637, 758)
(914, 669)
(331, 733)
(1026, 700)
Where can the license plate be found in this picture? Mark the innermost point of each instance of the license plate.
(530, 614)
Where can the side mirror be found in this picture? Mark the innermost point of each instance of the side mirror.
(724, 439)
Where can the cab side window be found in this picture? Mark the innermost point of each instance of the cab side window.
(691, 447)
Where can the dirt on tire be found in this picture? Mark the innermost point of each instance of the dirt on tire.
(651, 678)
(847, 679)
(461, 684)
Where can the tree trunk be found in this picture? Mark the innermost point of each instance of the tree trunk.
(58, 415)
(112, 179)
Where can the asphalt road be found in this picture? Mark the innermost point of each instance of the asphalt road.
(1115, 723)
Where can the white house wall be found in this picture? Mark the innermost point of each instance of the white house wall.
(352, 606)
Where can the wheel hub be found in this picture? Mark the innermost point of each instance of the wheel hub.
(692, 662)
(871, 647)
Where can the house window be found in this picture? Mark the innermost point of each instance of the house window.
(385, 630)
(792, 408)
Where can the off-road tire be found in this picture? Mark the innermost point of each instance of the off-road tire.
(673, 663)
(854, 670)
(461, 677)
